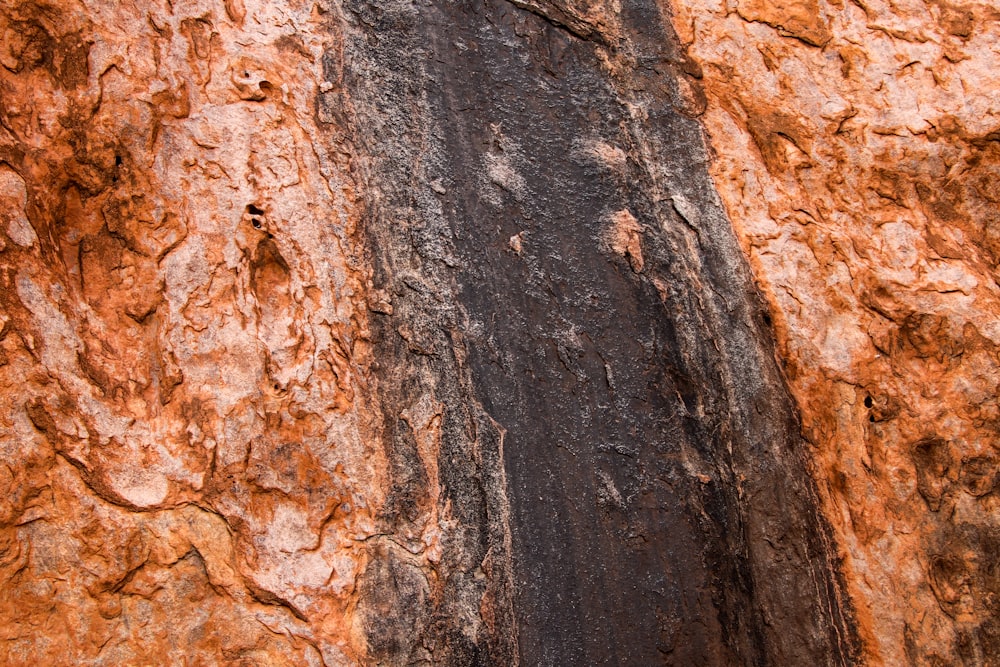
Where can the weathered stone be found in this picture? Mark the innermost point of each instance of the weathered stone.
(382, 332)
(861, 179)
(193, 468)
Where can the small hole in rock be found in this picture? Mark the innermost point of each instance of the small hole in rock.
(767, 319)
(868, 401)
(265, 86)
(871, 418)
(118, 160)
(255, 222)
(253, 210)
(277, 386)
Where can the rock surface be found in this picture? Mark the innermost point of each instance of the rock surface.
(192, 473)
(390, 332)
(554, 253)
(857, 154)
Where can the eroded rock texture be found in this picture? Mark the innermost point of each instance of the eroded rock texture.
(191, 470)
(405, 333)
(856, 152)
(545, 219)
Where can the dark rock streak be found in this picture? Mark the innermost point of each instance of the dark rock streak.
(565, 284)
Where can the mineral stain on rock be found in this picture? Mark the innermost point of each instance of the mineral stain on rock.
(378, 332)
(659, 506)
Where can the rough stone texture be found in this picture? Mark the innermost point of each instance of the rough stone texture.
(856, 150)
(544, 222)
(391, 333)
(191, 470)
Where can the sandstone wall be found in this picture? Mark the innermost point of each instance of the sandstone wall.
(856, 151)
(390, 332)
(192, 473)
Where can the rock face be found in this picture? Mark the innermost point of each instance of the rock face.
(856, 152)
(192, 473)
(553, 251)
(393, 333)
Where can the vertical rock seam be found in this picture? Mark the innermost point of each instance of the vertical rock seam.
(386, 333)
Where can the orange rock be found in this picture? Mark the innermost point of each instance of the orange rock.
(190, 471)
(196, 467)
(857, 163)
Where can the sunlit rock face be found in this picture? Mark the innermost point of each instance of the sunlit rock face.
(191, 469)
(856, 152)
(418, 333)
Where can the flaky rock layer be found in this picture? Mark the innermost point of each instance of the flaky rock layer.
(191, 468)
(856, 152)
(392, 333)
